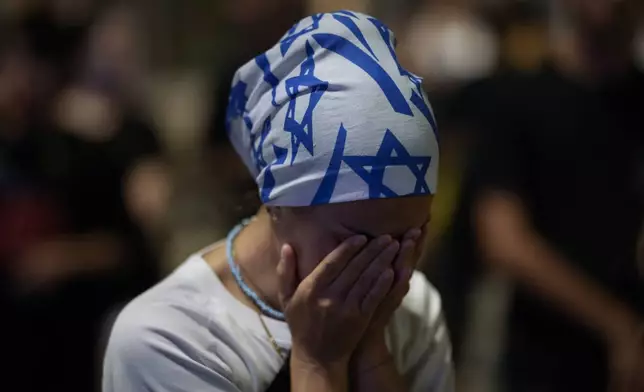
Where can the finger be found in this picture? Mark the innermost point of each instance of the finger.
(287, 274)
(413, 234)
(377, 267)
(331, 266)
(345, 281)
(377, 293)
(396, 294)
(408, 248)
(398, 291)
(403, 259)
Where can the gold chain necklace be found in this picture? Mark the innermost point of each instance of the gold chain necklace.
(271, 339)
(270, 336)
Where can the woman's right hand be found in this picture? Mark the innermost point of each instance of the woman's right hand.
(329, 311)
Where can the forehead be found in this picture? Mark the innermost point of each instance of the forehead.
(376, 217)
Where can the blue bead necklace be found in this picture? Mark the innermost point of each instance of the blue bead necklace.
(234, 268)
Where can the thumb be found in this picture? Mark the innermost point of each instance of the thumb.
(287, 272)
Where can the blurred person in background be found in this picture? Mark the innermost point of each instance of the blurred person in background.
(469, 110)
(342, 144)
(449, 44)
(553, 199)
(71, 245)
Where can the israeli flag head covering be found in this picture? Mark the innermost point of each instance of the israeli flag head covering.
(328, 115)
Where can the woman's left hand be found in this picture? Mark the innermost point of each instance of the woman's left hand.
(372, 349)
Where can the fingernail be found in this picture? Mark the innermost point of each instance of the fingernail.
(414, 234)
(409, 244)
(359, 240)
(394, 245)
(385, 239)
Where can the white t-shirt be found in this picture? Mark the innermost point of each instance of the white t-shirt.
(189, 334)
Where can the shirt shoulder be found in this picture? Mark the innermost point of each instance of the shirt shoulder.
(164, 341)
(421, 306)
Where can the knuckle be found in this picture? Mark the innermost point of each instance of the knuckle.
(306, 292)
(326, 304)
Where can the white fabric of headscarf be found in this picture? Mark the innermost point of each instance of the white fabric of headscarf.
(328, 115)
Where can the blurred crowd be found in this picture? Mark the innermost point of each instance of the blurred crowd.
(114, 163)
(83, 187)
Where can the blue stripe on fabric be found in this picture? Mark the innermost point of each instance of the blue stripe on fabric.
(351, 25)
(349, 51)
(325, 190)
(269, 178)
(270, 78)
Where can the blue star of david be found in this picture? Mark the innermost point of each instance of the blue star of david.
(258, 148)
(302, 132)
(269, 179)
(391, 153)
(372, 168)
(237, 105)
(293, 34)
(269, 77)
(342, 16)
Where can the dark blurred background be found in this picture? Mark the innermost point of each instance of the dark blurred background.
(114, 166)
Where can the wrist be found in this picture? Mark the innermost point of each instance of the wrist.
(307, 375)
(370, 353)
(329, 369)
